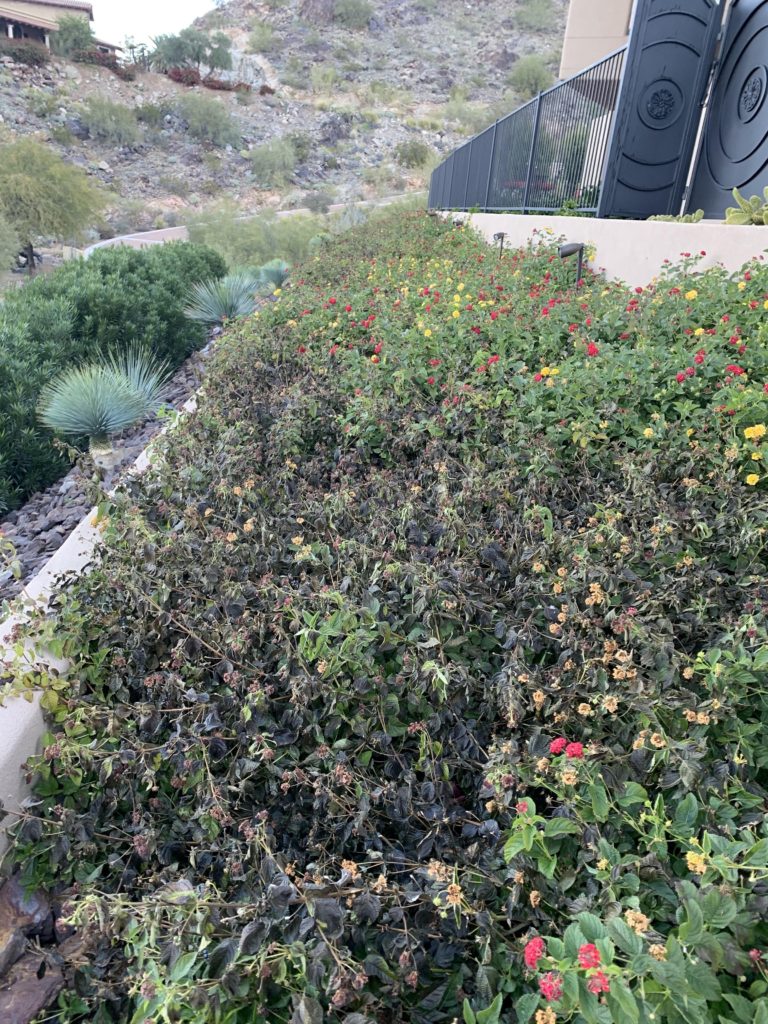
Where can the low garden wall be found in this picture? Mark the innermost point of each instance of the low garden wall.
(632, 251)
(22, 723)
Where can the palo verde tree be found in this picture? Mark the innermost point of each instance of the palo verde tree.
(42, 196)
(73, 36)
(192, 48)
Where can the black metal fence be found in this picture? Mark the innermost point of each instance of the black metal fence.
(550, 152)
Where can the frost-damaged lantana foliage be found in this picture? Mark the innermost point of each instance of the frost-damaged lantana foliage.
(429, 664)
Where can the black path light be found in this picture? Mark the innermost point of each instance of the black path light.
(570, 250)
(499, 237)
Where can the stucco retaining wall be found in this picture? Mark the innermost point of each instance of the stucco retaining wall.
(630, 250)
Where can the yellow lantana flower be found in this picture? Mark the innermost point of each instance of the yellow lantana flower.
(752, 479)
(691, 295)
(755, 433)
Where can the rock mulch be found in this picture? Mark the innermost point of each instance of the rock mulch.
(40, 527)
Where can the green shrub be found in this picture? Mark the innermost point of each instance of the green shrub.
(413, 153)
(208, 120)
(424, 677)
(255, 241)
(62, 135)
(41, 103)
(82, 311)
(323, 78)
(34, 55)
(318, 202)
(263, 38)
(535, 15)
(530, 76)
(73, 35)
(354, 14)
(9, 244)
(273, 162)
(110, 122)
(151, 114)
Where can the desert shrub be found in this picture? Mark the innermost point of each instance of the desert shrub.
(323, 77)
(302, 144)
(42, 104)
(127, 72)
(218, 84)
(273, 162)
(318, 202)
(82, 311)
(256, 240)
(110, 122)
(9, 244)
(534, 15)
(413, 153)
(208, 120)
(62, 135)
(354, 14)
(34, 55)
(151, 114)
(471, 117)
(73, 35)
(530, 76)
(424, 678)
(263, 38)
(185, 76)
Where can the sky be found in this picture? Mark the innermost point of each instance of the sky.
(115, 20)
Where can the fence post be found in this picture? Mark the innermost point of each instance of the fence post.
(490, 165)
(450, 182)
(534, 140)
(469, 168)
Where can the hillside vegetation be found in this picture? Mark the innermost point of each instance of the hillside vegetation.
(367, 96)
(424, 678)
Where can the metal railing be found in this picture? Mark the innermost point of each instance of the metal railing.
(550, 152)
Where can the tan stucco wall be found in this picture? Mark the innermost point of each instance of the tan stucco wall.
(48, 12)
(595, 28)
(630, 250)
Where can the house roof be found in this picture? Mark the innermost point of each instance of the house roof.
(78, 5)
(49, 24)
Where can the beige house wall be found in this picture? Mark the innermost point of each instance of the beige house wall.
(49, 12)
(595, 28)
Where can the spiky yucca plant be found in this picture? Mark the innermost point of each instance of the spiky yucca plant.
(274, 274)
(213, 302)
(100, 400)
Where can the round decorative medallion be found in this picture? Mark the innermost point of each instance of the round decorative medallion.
(752, 94)
(661, 104)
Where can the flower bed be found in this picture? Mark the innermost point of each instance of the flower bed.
(425, 676)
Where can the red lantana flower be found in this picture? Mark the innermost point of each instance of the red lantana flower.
(533, 952)
(592, 349)
(574, 750)
(558, 746)
(589, 956)
(598, 983)
(551, 986)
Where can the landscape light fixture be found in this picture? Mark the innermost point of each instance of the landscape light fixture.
(499, 237)
(570, 250)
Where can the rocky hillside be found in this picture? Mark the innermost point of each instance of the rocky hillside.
(368, 95)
